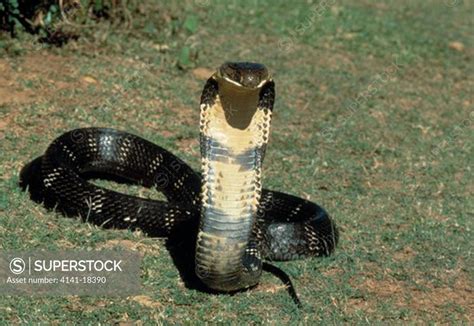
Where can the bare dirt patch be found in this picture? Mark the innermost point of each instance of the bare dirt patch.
(33, 79)
(430, 300)
(184, 114)
(75, 304)
(354, 304)
(45, 67)
(270, 288)
(405, 254)
(189, 145)
(147, 301)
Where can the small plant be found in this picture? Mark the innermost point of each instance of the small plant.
(9, 15)
(188, 53)
(56, 21)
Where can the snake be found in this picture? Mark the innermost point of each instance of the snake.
(237, 224)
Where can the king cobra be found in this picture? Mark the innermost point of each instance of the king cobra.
(235, 221)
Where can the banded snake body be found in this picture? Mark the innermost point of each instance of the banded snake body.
(237, 223)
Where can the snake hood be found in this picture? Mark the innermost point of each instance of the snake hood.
(235, 124)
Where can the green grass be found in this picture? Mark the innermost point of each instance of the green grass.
(395, 173)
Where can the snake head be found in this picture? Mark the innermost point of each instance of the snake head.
(244, 74)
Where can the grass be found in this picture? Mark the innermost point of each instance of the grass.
(395, 171)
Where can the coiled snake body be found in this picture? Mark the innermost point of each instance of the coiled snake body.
(239, 222)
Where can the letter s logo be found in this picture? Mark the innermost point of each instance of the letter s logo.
(17, 266)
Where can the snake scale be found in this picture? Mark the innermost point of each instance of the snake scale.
(237, 223)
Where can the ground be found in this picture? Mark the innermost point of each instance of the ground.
(373, 120)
